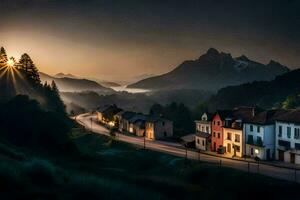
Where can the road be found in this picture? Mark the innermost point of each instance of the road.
(178, 150)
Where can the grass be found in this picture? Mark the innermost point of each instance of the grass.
(107, 169)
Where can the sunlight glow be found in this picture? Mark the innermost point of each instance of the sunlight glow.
(10, 63)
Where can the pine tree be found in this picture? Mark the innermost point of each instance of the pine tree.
(55, 100)
(3, 57)
(26, 64)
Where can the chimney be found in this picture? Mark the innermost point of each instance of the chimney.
(253, 112)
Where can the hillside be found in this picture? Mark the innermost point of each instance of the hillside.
(266, 94)
(67, 84)
(213, 71)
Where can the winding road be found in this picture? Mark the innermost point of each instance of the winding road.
(178, 150)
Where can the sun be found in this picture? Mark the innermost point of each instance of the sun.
(10, 63)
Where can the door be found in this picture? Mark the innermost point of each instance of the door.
(229, 148)
(280, 155)
(292, 158)
(214, 149)
(268, 154)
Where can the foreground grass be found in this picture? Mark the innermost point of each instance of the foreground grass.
(107, 169)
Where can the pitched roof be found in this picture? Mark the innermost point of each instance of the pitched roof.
(127, 115)
(188, 138)
(244, 113)
(203, 134)
(111, 110)
(290, 116)
(267, 117)
(137, 117)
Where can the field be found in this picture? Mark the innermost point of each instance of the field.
(107, 169)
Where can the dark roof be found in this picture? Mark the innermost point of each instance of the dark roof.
(127, 115)
(103, 108)
(188, 138)
(290, 116)
(224, 114)
(203, 134)
(267, 117)
(111, 110)
(244, 113)
(137, 117)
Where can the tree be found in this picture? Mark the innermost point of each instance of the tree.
(27, 65)
(3, 57)
(55, 102)
(291, 102)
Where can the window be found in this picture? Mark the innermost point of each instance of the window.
(288, 132)
(214, 134)
(214, 122)
(207, 129)
(237, 138)
(219, 123)
(198, 141)
(237, 148)
(219, 135)
(259, 141)
(251, 128)
(297, 133)
(280, 131)
(251, 151)
(229, 136)
(250, 139)
(203, 143)
(258, 129)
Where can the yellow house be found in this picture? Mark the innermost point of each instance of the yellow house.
(233, 141)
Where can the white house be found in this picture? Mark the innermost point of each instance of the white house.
(203, 132)
(260, 134)
(202, 141)
(204, 125)
(287, 129)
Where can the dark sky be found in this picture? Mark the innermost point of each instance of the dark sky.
(120, 39)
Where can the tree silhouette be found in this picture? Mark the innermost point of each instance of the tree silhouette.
(26, 64)
(3, 57)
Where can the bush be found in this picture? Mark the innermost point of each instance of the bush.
(40, 172)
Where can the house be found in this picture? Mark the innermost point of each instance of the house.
(158, 128)
(287, 133)
(260, 134)
(204, 125)
(123, 120)
(234, 138)
(137, 124)
(218, 121)
(106, 114)
(202, 140)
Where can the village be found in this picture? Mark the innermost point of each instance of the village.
(244, 132)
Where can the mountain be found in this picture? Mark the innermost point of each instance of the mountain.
(62, 75)
(212, 71)
(67, 84)
(265, 94)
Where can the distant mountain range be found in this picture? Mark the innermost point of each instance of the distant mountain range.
(265, 94)
(67, 84)
(212, 71)
(107, 84)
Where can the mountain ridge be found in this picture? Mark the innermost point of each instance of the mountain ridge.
(212, 71)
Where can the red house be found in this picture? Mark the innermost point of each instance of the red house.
(218, 122)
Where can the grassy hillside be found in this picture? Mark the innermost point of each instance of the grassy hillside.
(107, 169)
